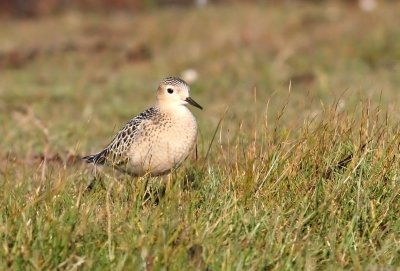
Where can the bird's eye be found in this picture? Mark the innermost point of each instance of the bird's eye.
(170, 90)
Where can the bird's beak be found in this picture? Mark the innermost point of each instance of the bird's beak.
(192, 102)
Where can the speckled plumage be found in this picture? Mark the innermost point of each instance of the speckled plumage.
(158, 139)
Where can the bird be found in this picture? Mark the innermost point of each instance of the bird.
(159, 139)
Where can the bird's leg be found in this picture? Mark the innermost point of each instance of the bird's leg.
(146, 184)
(97, 178)
(169, 182)
(146, 193)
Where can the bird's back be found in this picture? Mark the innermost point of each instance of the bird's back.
(116, 152)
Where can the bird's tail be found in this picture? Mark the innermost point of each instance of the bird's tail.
(97, 159)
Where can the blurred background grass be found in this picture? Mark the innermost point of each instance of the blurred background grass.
(84, 73)
(45, 7)
(71, 73)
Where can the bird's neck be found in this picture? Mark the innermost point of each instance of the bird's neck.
(174, 109)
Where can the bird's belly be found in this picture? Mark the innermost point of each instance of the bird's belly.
(160, 152)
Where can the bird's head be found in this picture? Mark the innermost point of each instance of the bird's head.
(174, 91)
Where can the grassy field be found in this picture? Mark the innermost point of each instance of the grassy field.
(299, 141)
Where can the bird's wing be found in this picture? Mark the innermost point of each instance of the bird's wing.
(116, 152)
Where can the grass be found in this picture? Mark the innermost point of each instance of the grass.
(303, 171)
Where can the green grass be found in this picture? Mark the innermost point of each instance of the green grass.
(303, 88)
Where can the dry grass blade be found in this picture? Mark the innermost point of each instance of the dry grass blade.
(214, 135)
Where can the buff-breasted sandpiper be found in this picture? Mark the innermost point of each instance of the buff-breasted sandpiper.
(158, 139)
